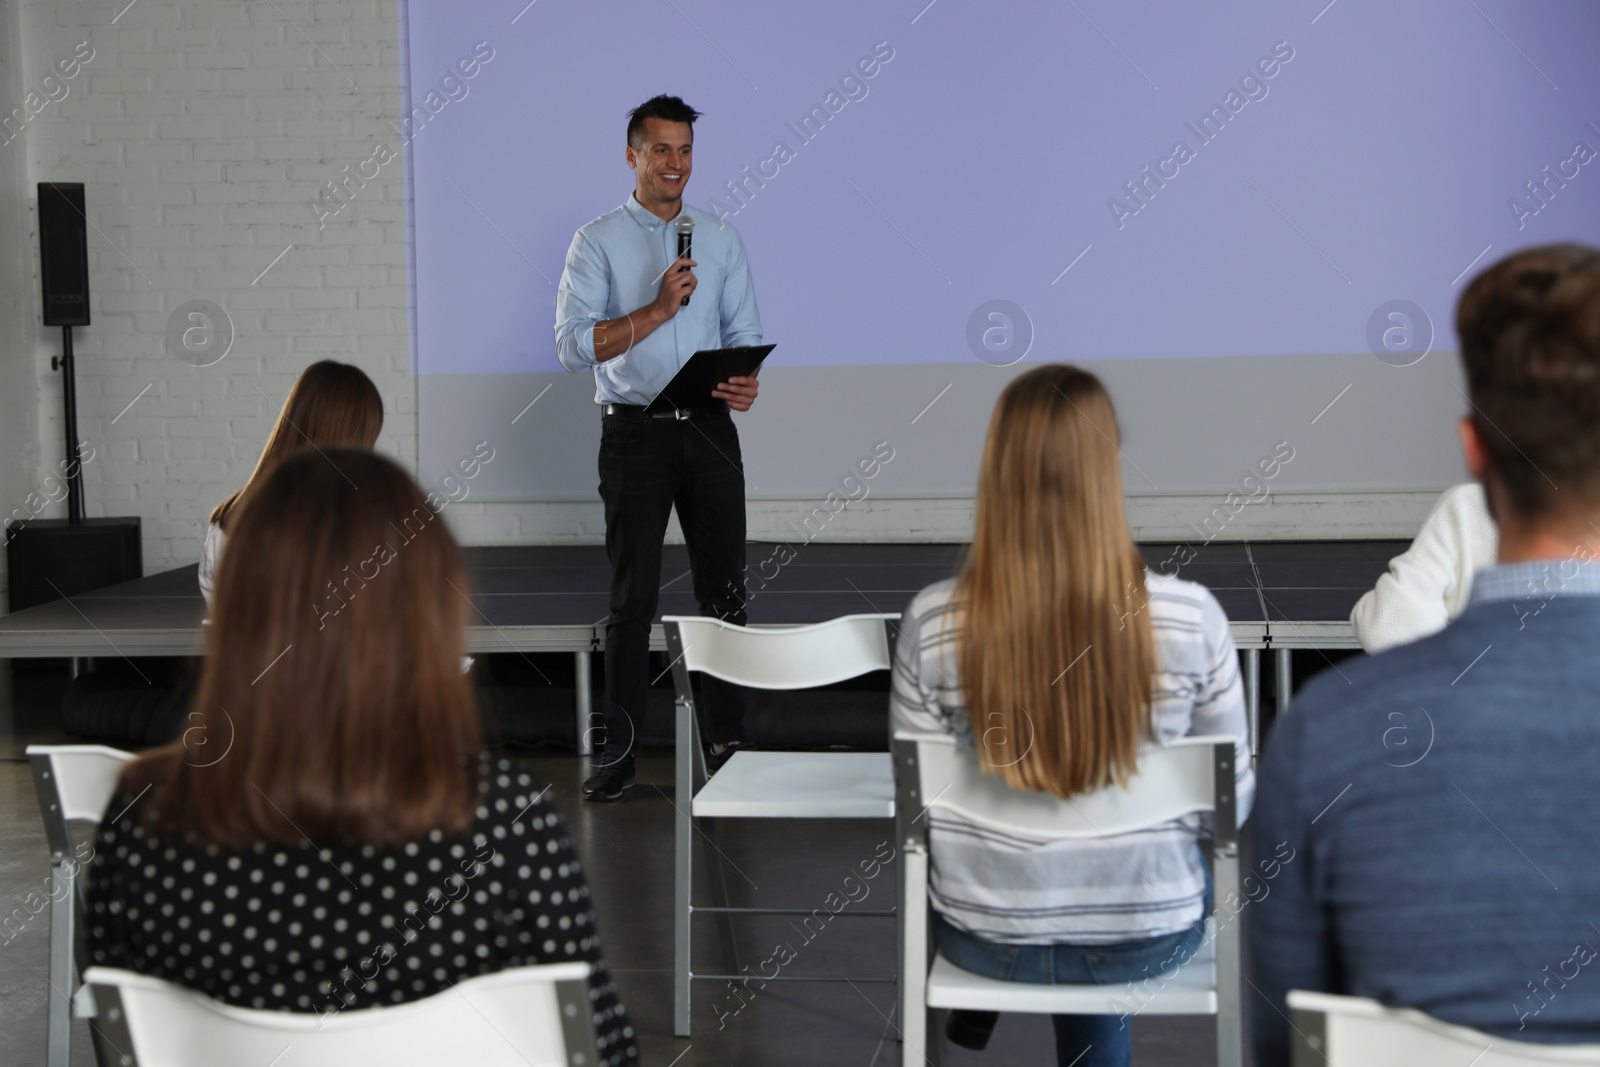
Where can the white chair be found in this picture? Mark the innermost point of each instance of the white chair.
(768, 785)
(74, 782)
(523, 1017)
(1194, 774)
(1337, 1031)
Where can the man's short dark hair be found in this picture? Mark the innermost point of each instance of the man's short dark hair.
(670, 108)
(1530, 346)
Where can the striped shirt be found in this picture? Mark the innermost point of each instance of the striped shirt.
(1016, 888)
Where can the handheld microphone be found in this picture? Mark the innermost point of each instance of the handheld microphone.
(685, 228)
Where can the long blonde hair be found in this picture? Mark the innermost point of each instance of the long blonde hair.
(330, 404)
(1056, 651)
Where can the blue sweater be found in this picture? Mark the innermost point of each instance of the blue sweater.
(1446, 849)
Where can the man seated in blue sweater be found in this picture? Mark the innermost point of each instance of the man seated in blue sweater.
(1436, 797)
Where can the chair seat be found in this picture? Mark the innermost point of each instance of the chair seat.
(801, 785)
(1192, 991)
(1356, 1030)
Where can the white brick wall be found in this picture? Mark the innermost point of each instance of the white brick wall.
(19, 423)
(204, 130)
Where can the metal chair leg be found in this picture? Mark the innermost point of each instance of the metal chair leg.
(683, 871)
(1252, 695)
(1230, 1017)
(933, 1049)
(1283, 670)
(585, 703)
(900, 935)
(716, 870)
(919, 1032)
(58, 1033)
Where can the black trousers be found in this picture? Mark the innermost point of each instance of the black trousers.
(647, 468)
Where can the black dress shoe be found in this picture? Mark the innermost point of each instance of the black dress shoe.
(970, 1029)
(610, 781)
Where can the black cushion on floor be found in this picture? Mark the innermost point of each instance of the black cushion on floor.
(131, 704)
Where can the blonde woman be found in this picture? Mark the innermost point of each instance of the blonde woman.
(330, 404)
(1058, 658)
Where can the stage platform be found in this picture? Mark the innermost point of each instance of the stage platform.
(1278, 595)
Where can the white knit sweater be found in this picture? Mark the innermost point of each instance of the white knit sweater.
(1429, 583)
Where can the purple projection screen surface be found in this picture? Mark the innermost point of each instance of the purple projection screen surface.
(935, 184)
(1225, 180)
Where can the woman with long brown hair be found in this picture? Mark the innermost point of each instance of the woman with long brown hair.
(1058, 657)
(341, 838)
(330, 404)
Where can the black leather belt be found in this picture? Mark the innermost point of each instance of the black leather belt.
(636, 411)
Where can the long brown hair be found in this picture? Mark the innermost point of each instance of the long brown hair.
(1056, 651)
(332, 703)
(330, 404)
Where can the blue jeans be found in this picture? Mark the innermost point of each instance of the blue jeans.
(1081, 1040)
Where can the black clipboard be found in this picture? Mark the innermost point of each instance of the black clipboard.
(708, 368)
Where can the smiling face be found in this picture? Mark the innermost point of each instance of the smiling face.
(661, 164)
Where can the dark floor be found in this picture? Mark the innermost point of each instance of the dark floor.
(627, 849)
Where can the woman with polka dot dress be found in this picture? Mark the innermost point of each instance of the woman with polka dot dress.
(330, 834)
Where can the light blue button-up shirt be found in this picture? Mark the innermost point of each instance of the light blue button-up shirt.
(614, 266)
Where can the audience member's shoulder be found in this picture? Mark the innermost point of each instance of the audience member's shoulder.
(1181, 600)
(1187, 623)
(1408, 669)
(512, 786)
(1465, 500)
(127, 820)
(512, 773)
(929, 604)
(138, 785)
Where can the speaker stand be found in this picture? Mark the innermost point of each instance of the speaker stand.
(69, 402)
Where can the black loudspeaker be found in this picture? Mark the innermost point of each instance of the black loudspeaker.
(64, 254)
(48, 559)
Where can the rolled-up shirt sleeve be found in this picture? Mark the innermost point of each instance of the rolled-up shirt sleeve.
(741, 321)
(581, 302)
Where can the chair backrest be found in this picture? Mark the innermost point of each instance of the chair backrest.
(523, 1017)
(1338, 1031)
(781, 657)
(932, 771)
(73, 782)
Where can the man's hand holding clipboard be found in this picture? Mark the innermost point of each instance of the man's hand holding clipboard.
(726, 374)
(739, 391)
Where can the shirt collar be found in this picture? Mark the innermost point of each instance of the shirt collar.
(643, 216)
(1539, 579)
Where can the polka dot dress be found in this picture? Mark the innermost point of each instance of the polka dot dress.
(309, 929)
